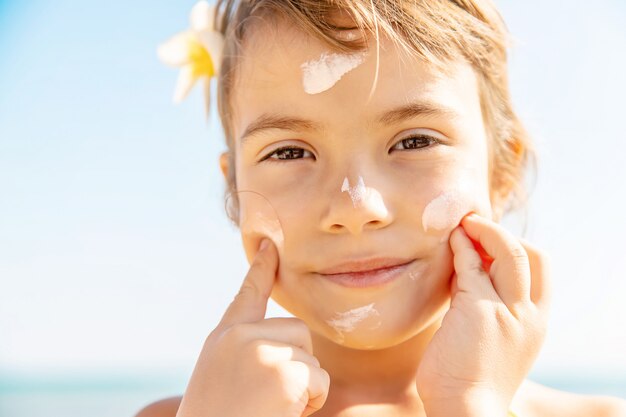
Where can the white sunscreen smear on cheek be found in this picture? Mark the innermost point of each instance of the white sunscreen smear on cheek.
(258, 219)
(444, 212)
(266, 226)
(347, 321)
(320, 74)
(418, 271)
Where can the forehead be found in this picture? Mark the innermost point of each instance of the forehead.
(269, 80)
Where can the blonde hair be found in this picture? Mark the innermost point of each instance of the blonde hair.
(437, 31)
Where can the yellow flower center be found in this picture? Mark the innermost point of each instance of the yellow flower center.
(199, 59)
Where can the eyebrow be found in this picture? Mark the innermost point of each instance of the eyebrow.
(417, 109)
(271, 121)
(408, 111)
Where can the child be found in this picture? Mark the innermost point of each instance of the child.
(372, 149)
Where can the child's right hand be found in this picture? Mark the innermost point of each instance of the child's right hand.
(252, 366)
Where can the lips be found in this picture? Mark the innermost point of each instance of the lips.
(367, 273)
(365, 266)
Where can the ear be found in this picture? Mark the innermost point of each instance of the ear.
(224, 165)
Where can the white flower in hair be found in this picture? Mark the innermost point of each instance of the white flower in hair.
(198, 51)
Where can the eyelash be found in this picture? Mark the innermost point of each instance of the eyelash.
(431, 140)
(286, 148)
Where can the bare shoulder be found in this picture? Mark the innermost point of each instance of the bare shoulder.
(167, 407)
(536, 400)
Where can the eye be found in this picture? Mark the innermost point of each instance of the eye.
(415, 142)
(288, 153)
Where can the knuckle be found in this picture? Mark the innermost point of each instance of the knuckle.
(507, 321)
(248, 289)
(260, 262)
(518, 256)
(236, 333)
(302, 330)
(502, 317)
(518, 253)
(475, 265)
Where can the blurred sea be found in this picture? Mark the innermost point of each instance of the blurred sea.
(124, 396)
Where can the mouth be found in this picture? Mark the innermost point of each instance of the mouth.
(366, 273)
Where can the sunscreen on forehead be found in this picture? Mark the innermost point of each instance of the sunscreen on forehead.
(320, 74)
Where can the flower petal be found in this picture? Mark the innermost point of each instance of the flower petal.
(175, 51)
(207, 97)
(184, 84)
(213, 42)
(201, 16)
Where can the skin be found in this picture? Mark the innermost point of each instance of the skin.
(458, 330)
(372, 368)
(320, 225)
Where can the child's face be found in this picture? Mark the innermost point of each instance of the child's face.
(400, 199)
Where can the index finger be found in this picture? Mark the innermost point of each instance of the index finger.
(250, 303)
(510, 269)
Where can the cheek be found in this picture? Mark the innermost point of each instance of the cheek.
(446, 210)
(447, 197)
(258, 219)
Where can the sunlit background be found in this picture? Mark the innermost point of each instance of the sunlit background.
(116, 258)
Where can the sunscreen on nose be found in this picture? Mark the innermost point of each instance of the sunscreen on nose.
(357, 192)
(363, 196)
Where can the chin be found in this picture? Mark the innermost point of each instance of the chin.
(365, 320)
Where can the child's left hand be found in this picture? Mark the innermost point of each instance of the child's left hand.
(494, 329)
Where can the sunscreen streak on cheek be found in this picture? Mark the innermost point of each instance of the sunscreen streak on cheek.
(321, 74)
(444, 212)
(263, 225)
(418, 271)
(258, 219)
(347, 321)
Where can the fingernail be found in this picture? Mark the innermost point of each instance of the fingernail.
(264, 244)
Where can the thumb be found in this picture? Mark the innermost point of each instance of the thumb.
(250, 303)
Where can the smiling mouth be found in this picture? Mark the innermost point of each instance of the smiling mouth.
(367, 273)
(365, 266)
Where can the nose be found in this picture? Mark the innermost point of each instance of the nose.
(355, 208)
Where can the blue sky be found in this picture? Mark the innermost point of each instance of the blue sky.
(115, 254)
